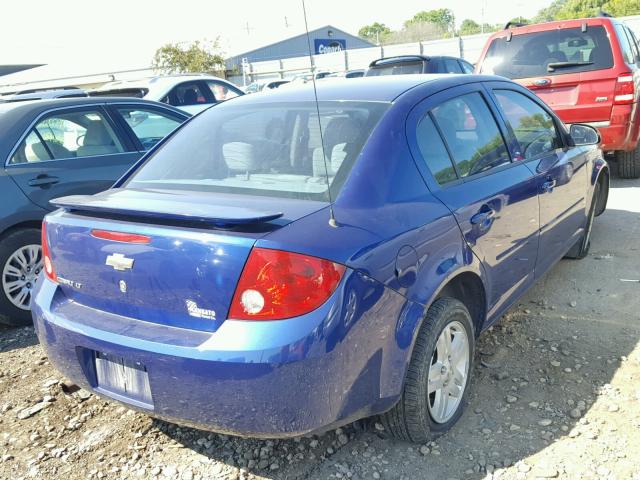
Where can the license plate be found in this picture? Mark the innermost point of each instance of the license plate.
(123, 379)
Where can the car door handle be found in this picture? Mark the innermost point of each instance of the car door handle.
(482, 216)
(43, 181)
(549, 185)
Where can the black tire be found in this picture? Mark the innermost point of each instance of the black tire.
(582, 246)
(410, 419)
(9, 313)
(629, 163)
(603, 193)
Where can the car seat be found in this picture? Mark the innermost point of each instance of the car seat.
(97, 141)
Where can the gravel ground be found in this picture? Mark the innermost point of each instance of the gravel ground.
(555, 394)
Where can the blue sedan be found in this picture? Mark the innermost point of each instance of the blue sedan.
(278, 267)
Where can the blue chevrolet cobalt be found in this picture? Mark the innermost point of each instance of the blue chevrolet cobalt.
(279, 266)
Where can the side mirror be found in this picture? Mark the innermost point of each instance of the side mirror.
(584, 134)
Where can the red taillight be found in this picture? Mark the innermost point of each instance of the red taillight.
(624, 93)
(120, 236)
(49, 271)
(275, 285)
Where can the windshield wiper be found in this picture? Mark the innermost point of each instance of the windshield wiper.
(552, 66)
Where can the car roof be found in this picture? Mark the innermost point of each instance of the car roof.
(363, 89)
(555, 25)
(157, 80)
(15, 117)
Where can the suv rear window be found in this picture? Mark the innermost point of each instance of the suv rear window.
(270, 149)
(553, 52)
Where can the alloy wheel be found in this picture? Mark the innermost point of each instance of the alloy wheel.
(448, 372)
(20, 275)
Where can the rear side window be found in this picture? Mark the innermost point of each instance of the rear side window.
(264, 149)
(452, 66)
(69, 135)
(532, 126)
(466, 67)
(472, 134)
(434, 152)
(188, 93)
(553, 52)
(625, 45)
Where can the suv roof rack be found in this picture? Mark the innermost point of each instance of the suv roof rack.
(602, 13)
(508, 25)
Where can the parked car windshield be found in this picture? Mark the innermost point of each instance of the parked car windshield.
(553, 52)
(265, 149)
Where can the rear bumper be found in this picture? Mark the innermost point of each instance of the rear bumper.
(622, 131)
(263, 379)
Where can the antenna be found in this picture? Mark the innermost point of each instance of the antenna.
(332, 217)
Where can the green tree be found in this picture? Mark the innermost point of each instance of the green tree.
(376, 32)
(567, 9)
(194, 57)
(443, 17)
(469, 27)
(549, 14)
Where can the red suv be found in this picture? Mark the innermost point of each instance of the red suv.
(587, 70)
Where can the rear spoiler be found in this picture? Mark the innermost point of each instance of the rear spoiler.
(159, 205)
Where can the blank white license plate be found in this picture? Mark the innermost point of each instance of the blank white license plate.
(123, 379)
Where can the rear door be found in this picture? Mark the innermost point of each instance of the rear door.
(463, 144)
(70, 151)
(570, 69)
(560, 172)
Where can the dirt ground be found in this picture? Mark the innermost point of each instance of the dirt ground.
(555, 394)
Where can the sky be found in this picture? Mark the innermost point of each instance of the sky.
(126, 33)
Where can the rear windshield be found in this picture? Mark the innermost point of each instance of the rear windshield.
(263, 149)
(398, 68)
(555, 52)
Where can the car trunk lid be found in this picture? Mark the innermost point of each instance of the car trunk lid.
(182, 264)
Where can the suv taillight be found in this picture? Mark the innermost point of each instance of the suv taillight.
(275, 285)
(49, 271)
(624, 93)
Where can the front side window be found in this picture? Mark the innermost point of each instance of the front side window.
(472, 134)
(150, 126)
(185, 94)
(267, 149)
(532, 126)
(68, 135)
(434, 152)
(552, 52)
(222, 91)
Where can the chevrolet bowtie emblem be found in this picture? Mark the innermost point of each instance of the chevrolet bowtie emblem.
(119, 262)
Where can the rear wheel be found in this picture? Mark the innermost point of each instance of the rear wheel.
(629, 163)
(438, 375)
(20, 267)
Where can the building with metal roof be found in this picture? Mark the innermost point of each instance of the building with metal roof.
(327, 39)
